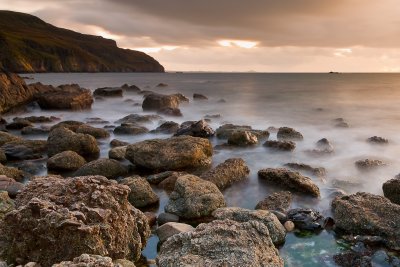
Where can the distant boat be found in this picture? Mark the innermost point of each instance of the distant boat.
(334, 72)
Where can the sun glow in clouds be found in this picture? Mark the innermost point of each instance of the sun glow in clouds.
(342, 52)
(156, 49)
(237, 43)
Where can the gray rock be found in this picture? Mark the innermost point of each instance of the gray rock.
(293, 181)
(194, 198)
(227, 173)
(221, 243)
(275, 228)
(172, 228)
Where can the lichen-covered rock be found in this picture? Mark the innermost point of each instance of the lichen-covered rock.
(287, 133)
(6, 204)
(61, 139)
(86, 260)
(141, 194)
(280, 145)
(66, 97)
(194, 197)
(172, 228)
(58, 219)
(275, 228)
(242, 138)
(117, 153)
(391, 190)
(109, 168)
(293, 181)
(227, 173)
(176, 153)
(368, 214)
(25, 149)
(225, 131)
(279, 201)
(12, 172)
(197, 129)
(10, 186)
(93, 131)
(221, 243)
(65, 161)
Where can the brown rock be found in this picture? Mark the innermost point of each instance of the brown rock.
(279, 201)
(66, 161)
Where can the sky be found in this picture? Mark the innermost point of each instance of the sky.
(239, 35)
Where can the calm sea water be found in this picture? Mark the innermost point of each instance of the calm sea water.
(369, 103)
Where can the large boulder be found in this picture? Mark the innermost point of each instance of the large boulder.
(109, 168)
(158, 101)
(275, 228)
(293, 181)
(368, 214)
(65, 161)
(6, 204)
(59, 219)
(66, 97)
(227, 173)
(221, 243)
(61, 139)
(197, 129)
(141, 194)
(25, 149)
(194, 198)
(391, 190)
(10, 186)
(176, 153)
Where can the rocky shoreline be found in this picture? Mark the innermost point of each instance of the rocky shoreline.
(95, 211)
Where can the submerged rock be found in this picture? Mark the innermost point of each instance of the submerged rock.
(175, 112)
(279, 201)
(275, 228)
(196, 129)
(287, 133)
(369, 164)
(368, 214)
(18, 124)
(221, 243)
(280, 145)
(391, 190)
(176, 153)
(29, 130)
(227, 173)
(117, 143)
(324, 147)
(242, 138)
(61, 139)
(130, 129)
(139, 119)
(109, 168)
(199, 97)
(293, 181)
(65, 161)
(194, 198)
(70, 125)
(141, 194)
(377, 140)
(59, 219)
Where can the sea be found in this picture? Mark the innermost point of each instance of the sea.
(311, 103)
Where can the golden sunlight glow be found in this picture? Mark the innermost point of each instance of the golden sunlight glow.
(237, 43)
(342, 52)
(156, 49)
(96, 30)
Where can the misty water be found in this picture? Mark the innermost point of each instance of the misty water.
(307, 102)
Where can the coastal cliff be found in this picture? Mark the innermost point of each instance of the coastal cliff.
(28, 44)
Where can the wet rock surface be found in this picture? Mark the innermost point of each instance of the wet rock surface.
(177, 153)
(221, 243)
(369, 164)
(227, 173)
(306, 219)
(25, 149)
(290, 180)
(91, 214)
(130, 129)
(168, 127)
(194, 198)
(108, 92)
(226, 130)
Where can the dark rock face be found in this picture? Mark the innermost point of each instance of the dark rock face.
(25, 149)
(293, 181)
(221, 243)
(227, 173)
(141, 194)
(306, 219)
(66, 97)
(199, 97)
(158, 101)
(42, 47)
(196, 129)
(391, 190)
(61, 139)
(287, 133)
(66, 161)
(194, 198)
(378, 140)
(29, 130)
(275, 228)
(91, 214)
(368, 214)
(18, 124)
(109, 92)
(168, 127)
(226, 130)
(280, 145)
(176, 153)
(109, 168)
(116, 143)
(369, 164)
(279, 201)
(318, 172)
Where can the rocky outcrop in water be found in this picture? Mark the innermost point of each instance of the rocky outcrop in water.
(65, 161)
(226, 130)
(287, 133)
(279, 201)
(391, 190)
(109, 168)
(280, 145)
(58, 219)
(196, 129)
(157, 102)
